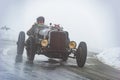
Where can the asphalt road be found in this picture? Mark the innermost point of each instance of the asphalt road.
(51, 69)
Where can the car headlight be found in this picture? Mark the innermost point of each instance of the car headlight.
(72, 44)
(44, 42)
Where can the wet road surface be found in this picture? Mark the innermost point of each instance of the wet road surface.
(50, 69)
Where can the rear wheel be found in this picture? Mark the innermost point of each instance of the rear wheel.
(81, 54)
(21, 43)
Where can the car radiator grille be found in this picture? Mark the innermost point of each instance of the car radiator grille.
(58, 40)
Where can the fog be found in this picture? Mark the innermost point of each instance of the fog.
(94, 21)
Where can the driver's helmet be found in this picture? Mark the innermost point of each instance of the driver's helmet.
(41, 18)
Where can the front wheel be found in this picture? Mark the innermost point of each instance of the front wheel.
(31, 48)
(81, 54)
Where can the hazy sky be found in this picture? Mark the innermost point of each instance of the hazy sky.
(94, 21)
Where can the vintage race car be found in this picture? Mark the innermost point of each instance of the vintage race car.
(54, 42)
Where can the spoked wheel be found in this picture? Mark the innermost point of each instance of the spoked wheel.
(21, 43)
(81, 54)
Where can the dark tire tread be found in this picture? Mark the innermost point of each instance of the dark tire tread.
(81, 54)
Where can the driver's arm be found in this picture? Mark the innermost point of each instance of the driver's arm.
(30, 32)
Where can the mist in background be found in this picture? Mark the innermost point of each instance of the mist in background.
(94, 21)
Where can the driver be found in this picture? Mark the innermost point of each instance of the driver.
(30, 43)
(40, 24)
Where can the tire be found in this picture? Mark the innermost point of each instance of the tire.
(18, 58)
(21, 43)
(30, 56)
(81, 54)
(31, 49)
